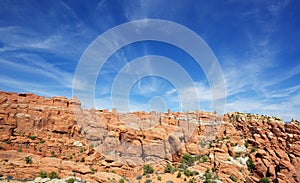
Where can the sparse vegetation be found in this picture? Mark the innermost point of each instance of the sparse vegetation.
(169, 169)
(32, 137)
(253, 149)
(43, 174)
(264, 180)
(188, 160)
(169, 181)
(82, 150)
(191, 181)
(82, 160)
(53, 175)
(246, 144)
(148, 181)
(148, 169)
(53, 154)
(250, 164)
(28, 160)
(42, 141)
(208, 176)
(203, 159)
(187, 173)
(93, 171)
(70, 180)
(159, 178)
(178, 175)
(121, 181)
(233, 178)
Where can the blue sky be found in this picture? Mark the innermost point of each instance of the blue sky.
(257, 44)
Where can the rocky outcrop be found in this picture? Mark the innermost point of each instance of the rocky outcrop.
(39, 134)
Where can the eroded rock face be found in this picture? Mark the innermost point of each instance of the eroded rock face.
(274, 145)
(57, 135)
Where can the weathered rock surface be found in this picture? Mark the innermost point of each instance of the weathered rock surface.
(55, 135)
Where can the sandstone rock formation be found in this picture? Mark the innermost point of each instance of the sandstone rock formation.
(39, 134)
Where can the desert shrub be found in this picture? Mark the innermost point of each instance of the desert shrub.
(70, 180)
(169, 169)
(42, 141)
(121, 181)
(250, 164)
(213, 169)
(194, 173)
(191, 181)
(169, 181)
(178, 175)
(188, 159)
(53, 175)
(246, 143)
(203, 159)
(43, 174)
(148, 181)
(187, 173)
(208, 176)
(28, 160)
(264, 180)
(53, 154)
(148, 169)
(253, 149)
(93, 170)
(233, 178)
(82, 159)
(32, 137)
(159, 178)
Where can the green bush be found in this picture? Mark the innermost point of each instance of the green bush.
(194, 173)
(121, 181)
(82, 160)
(43, 174)
(188, 159)
(169, 169)
(250, 164)
(32, 137)
(159, 178)
(187, 173)
(203, 159)
(148, 169)
(148, 181)
(70, 180)
(28, 160)
(42, 141)
(93, 170)
(191, 181)
(264, 180)
(246, 143)
(253, 149)
(233, 178)
(53, 175)
(208, 176)
(178, 175)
